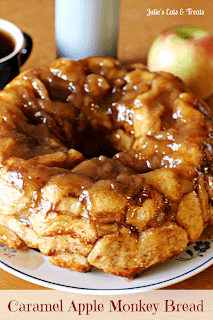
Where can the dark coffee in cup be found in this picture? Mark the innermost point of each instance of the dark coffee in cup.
(7, 44)
(15, 48)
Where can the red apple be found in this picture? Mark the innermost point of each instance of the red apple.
(187, 52)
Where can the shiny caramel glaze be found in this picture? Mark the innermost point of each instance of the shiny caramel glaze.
(103, 165)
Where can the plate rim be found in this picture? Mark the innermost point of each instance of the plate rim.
(73, 289)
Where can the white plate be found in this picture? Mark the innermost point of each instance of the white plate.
(30, 265)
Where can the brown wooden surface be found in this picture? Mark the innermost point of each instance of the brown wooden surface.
(136, 34)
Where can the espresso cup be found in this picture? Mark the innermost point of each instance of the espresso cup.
(15, 48)
(86, 28)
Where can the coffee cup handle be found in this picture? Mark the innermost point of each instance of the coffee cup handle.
(27, 48)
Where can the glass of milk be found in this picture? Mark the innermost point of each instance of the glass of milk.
(86, 28)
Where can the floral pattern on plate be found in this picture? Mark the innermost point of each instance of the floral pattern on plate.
(8, 252)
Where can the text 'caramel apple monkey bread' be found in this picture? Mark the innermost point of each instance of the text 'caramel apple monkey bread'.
(103, 165)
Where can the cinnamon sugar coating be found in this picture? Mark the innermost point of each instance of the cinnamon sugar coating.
(103, 165)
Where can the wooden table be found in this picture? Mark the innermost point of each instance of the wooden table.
(37, 18)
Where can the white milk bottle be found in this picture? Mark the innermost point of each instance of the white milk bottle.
(86, 28)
